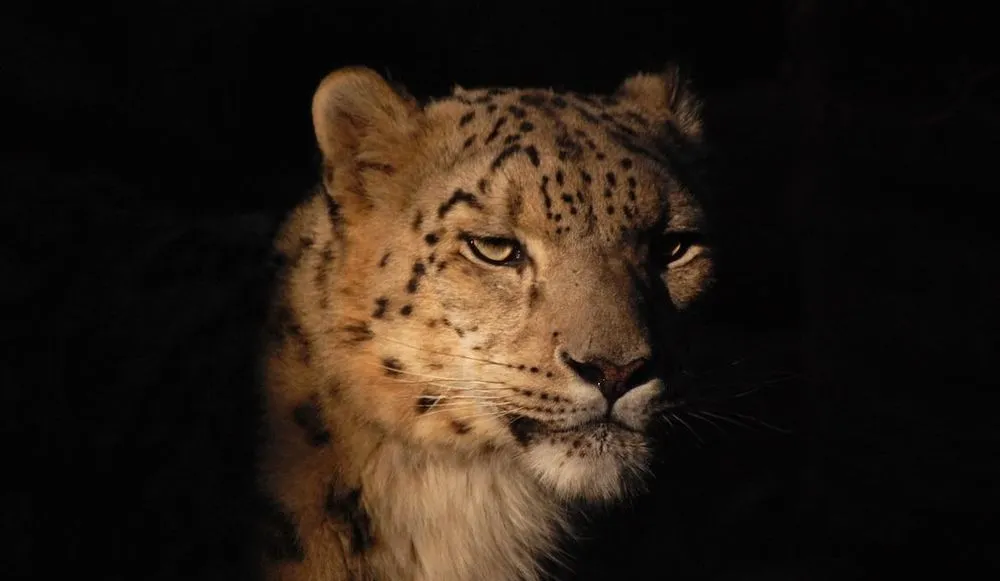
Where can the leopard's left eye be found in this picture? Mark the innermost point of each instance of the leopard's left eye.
(495, 250)
(676, 248)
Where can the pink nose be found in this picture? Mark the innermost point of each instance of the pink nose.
(612, 380)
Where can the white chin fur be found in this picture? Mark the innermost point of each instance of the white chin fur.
(603, 469)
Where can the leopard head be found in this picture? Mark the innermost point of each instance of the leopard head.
(506, 271)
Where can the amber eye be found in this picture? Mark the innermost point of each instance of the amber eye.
(496, 250)
(675, 246)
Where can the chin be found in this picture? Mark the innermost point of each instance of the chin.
(601, 462)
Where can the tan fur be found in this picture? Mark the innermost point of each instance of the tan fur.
(421, 420)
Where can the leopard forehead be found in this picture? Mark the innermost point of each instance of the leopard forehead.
(565, 164)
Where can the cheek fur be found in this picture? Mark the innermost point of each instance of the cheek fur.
(471, 294)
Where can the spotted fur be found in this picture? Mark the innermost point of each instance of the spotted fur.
(431, 414)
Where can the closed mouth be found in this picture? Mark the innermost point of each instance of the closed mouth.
(525, 428)
(606, 422)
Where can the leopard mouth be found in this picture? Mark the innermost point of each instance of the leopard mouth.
(606, 423)
(526, 429)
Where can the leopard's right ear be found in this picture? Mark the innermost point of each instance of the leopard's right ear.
(362, 123)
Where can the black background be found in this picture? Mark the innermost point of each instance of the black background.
(150, 147)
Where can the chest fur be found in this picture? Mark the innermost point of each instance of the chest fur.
(447, 519)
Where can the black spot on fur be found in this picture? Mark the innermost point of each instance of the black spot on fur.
(406, 310)
(496, 129)
(333, 211)
(278, 533)
(532, 99)
(468, 142)
(419, 270)
(637, 118)
(346, 509)
(465, 119)
(587, 116)
(626, 163)
(569, 149)
(559, 102)
(516, 111)
(491, 108)
(526, 126)
(381, 304)
(481, 184)
(326, 256)
(285, 325)
(585, 177)
(502, 157)
(426, 403)
(625, 129)
(309, 416)
(560, 178)
(532, 155)
(359, 333)
(523, 428)
(431, 239)
(393, 367)
(515, 205)
(460, 196)
(612, 179)
(460, 428)
(418, 220)
(384, 260)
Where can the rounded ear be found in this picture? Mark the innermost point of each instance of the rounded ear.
(357, 116)
(666, 97)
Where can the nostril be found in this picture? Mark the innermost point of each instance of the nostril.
(589, 372)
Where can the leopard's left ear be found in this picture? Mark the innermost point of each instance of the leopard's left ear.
(666, 97)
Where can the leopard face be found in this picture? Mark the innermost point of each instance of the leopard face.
(503, 273)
